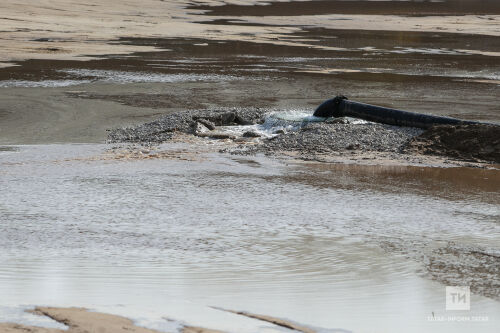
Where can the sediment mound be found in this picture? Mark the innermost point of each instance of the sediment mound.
(161, 130)
(464, 142)
(327, 137)
(255, 130)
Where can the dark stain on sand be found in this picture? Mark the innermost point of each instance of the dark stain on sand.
(322, 7)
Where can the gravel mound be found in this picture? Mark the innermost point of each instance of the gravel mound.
(161, 130)
(320, 138)
(259, 131)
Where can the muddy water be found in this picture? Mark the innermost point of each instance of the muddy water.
(380, 7)
(342, 248)
(168, 238)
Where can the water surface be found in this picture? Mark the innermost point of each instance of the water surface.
(154, 238)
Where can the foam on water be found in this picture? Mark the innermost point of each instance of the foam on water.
(18, 314)
(120, 77)
(301, 118)
(290, 120)
(297, 116)
(41, 84)
(145, 77)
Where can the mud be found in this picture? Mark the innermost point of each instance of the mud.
(465, 142)
(287, 324)
(414, 71)
(163, 129)
(327, 138)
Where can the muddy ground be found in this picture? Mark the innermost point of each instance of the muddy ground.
(250, 131)
(384, 68)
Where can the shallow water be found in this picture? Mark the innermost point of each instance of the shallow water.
(156, 238)
(117, 77)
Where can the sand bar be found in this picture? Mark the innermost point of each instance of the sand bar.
(67, 30)
(80, 320)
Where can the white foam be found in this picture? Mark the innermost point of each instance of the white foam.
(290, 120)
(18, 314)
(424, 50)
(297, 116)
(145, 77)
(41, 84)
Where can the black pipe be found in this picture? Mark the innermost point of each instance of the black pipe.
(340, 106)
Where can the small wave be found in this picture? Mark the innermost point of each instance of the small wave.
(408, 50)
(41, 84)
(121, 77)
(145, 77)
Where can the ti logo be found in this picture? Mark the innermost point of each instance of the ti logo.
(457, 298)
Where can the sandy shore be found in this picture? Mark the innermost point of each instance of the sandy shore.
(80, 320)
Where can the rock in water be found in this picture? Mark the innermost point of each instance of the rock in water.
(208, 124)
(200, 128)
(217, 135)
(251, 134)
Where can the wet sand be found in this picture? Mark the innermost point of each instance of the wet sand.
(243, 74)
(276, 55)
(80, 320)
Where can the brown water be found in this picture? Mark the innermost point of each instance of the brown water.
(154, 238)
(380, 7)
